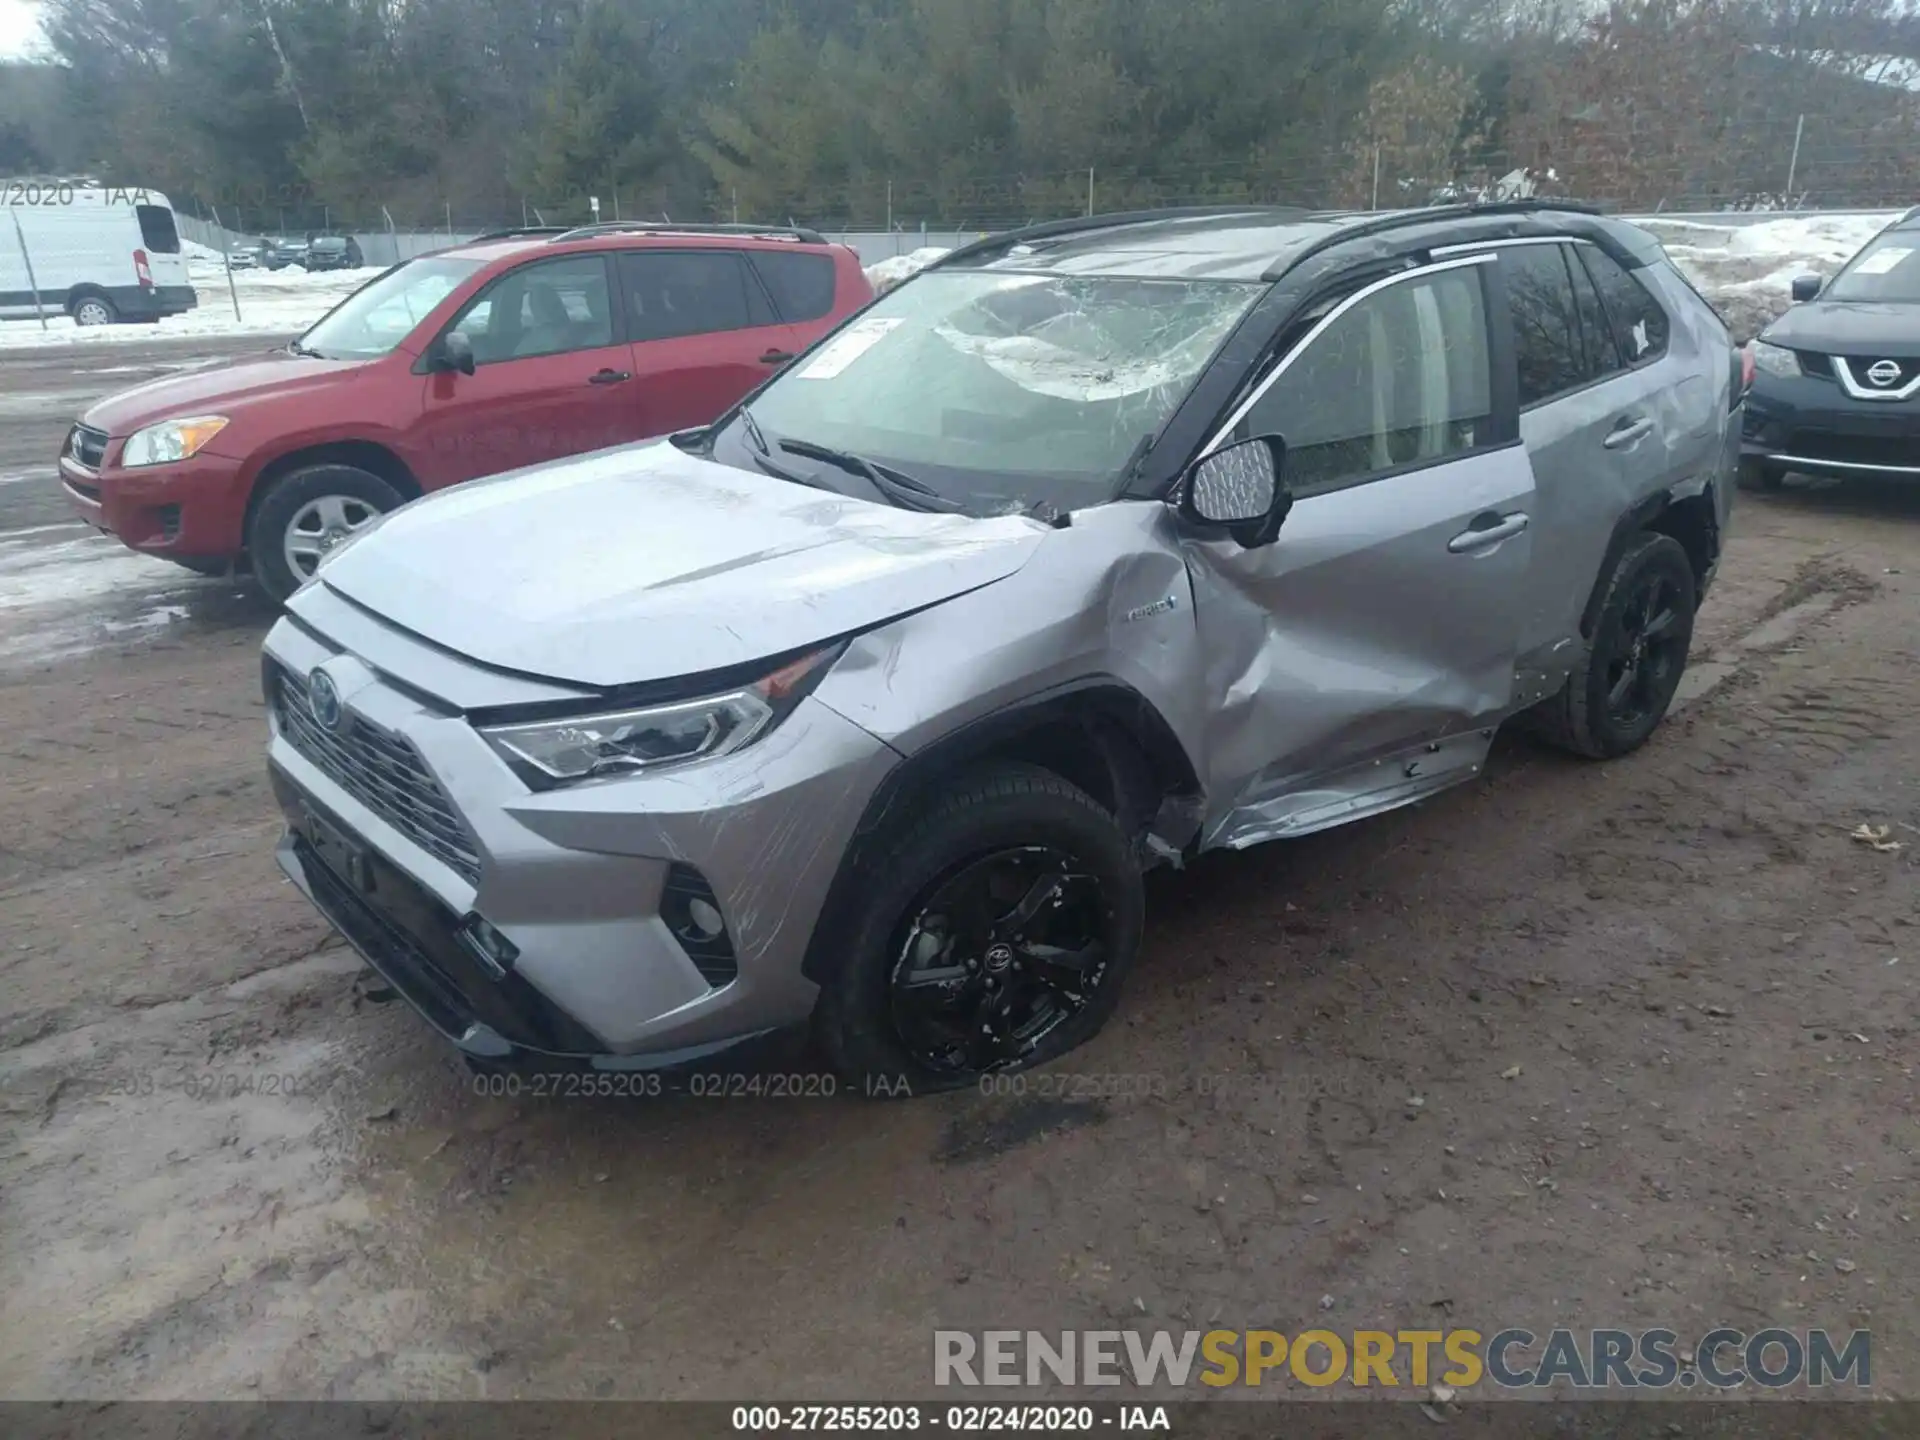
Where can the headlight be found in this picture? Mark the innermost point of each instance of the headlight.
(656, 736)
(1775, 359)
(171, 440)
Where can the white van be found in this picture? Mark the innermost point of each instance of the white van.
(101, 254)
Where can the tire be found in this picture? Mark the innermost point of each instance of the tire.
(90, 310)
(1586, 717)
(1756, 476)
(1015, 827)
(327, 502)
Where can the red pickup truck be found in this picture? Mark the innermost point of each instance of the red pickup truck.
(482, 358)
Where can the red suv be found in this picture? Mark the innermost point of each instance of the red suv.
(512, 349)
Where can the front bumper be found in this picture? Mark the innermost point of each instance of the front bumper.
(191, 511)
(587, 883)
(1809, 424)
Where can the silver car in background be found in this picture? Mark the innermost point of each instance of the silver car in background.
(1094, 547)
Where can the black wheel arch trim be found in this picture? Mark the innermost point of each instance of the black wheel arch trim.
(352, 452)
(1144, 770)
(1645, 517)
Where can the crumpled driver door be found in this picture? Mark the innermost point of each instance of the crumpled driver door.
(1360, 661)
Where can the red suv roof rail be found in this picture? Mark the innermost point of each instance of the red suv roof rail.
(516, 232)
(641, 227)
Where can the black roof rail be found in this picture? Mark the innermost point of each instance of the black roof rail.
(666, 227)
(517, 231)
(1053, 229)
(1376, 223)
(1908, 218)
(1363, 221)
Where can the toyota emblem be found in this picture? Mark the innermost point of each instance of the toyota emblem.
(1884, 373)
(323, 700)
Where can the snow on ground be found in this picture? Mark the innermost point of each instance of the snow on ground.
(272, 302)
(48, 572)
(1748, 270)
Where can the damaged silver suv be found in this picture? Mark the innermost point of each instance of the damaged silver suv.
(1094, 547)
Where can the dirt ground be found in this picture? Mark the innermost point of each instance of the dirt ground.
(1625, 1046)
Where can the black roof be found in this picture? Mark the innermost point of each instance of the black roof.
(1256, 243)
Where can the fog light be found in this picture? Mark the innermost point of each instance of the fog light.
(692, 912)
(703, 920)
(489, 946)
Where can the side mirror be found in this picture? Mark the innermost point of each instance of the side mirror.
(1238, 489)
(453, 352)
(1806, 287)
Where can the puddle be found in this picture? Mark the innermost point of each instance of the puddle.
(66, 596)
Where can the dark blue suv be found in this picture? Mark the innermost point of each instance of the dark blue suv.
(1836, 387)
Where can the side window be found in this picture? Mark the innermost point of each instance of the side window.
(801, 283)
(1601, 350)
(547, 308)
(1639, 324)
(1546, 323)
(693, 292)
(1400, 379)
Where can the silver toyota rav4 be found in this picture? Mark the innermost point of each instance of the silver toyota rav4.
(1094, 547)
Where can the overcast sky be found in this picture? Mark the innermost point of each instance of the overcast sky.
(19, 27)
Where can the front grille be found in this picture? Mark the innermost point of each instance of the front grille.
(1859, 367)
(1820, 366)
(87, 446)
(383, 772)
(416, 951)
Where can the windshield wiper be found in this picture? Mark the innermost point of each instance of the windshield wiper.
(792, 479)
(765, 458)
(902, 490)
(752, 428)
(296, 348)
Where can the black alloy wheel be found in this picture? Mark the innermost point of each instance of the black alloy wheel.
(995, 957)
(1648, 652)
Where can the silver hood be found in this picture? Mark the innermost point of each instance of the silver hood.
(647, 564)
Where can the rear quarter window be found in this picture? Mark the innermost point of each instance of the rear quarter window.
(1640, 326)
(801, 283)
(157, 230)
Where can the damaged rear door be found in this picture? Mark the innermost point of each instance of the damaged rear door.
(1357, 663)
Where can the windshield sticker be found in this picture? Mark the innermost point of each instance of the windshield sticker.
(846, 347)
(1881, 261)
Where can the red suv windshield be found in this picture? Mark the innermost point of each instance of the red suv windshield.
(383, 312)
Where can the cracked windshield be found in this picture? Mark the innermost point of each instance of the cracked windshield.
(1008, 390)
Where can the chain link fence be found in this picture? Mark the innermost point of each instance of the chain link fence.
(1783, 162)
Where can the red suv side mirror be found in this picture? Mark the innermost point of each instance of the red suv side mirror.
(452, 351)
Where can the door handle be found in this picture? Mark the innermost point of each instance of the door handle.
(776, 357)
(1488, 529)
(1627, 432)
(609, 377)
